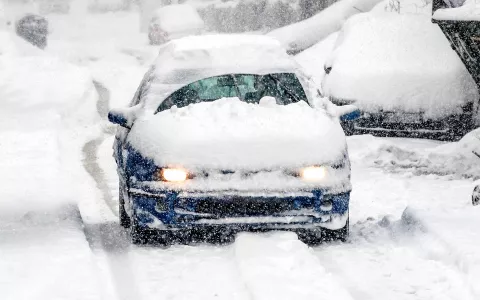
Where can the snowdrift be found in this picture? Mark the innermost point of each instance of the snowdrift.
(468, 11)
(398, 62)
(47, 104)
(301, 35)
(457, 160)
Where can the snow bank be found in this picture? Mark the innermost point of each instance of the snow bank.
(457, 160)
(229, 133)
(469, 11)
(178, 18)
(301, 35)
(391, 61)
(46, 106)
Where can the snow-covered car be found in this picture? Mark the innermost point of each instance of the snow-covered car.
(401, 72)
(225, 134)
(174, 21)
(54, 6)
(34, 29)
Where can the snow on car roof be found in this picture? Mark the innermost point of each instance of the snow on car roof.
(391, 62)
(183, 61)
(459, 10)
(178, 18)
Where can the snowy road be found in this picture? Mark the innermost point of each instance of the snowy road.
(60, 237)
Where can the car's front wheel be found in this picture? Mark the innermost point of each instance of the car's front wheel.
(125, 221)
(315, 236)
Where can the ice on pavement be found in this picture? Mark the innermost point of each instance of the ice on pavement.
(391, 61)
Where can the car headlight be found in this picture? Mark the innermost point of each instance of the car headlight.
(313, 173)
(173, 175)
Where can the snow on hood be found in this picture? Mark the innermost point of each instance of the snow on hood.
(398, 62)
(230, 134)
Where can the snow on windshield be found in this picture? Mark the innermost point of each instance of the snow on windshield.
(392, 62)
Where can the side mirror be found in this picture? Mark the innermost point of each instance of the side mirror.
(121, 117)
(348, 112)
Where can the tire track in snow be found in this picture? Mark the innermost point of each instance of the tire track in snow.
(383, 261)
(107, 239)
(278, 266)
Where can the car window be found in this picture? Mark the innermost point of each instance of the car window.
(250, 88)
(139, 94)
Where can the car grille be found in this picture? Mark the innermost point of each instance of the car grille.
(245, 206)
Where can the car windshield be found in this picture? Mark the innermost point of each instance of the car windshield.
(250, 88)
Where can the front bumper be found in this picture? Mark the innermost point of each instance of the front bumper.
(240, 211)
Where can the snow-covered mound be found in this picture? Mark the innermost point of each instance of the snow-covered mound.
(457, 159)
(398, 62)
(46, 105)
(301, 35)
(467, 11)
(229, 133)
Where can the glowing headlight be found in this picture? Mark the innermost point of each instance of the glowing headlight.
(313, 173)
(174, 175)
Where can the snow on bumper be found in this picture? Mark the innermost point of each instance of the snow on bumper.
(240, 211)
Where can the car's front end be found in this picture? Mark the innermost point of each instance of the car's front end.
(310, 198)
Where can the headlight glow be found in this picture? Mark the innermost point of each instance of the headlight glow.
(174, 175)
(313, 173)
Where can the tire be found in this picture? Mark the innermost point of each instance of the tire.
(142, 236)
(125, 221)
(476, 196)
(316, 236)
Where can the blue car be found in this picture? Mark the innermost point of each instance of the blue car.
(226, 134)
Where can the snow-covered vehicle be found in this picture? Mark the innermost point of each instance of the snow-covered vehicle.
(403, 75)
(225, 134)
(172, 22)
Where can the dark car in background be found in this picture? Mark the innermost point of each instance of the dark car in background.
(33, 29)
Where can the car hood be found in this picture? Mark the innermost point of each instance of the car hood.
(230, 134)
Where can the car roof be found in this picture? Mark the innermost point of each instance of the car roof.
(186, 60)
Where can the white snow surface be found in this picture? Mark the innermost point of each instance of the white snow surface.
(454, 160)
(178, 18)
(469, 11)
(228, 133)
(391, 62)
(303, 34)
(312, 60)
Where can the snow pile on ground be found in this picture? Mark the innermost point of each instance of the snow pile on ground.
(469, 11)
(43, 100)
(391, 61)
(229, 133)
(457, 160)
(301, 35)
(313, 59)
